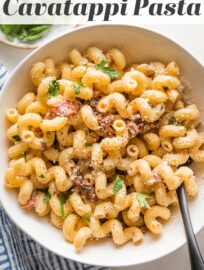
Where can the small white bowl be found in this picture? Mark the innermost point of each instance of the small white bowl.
(53, 32)
(139, 45)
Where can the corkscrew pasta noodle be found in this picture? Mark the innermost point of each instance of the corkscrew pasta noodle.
(102, 146)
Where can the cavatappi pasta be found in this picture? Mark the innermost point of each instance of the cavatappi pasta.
(101, 147)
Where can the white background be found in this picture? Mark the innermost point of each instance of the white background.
(144, 12)
(192, 38)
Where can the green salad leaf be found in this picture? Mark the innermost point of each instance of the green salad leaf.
(25, 33)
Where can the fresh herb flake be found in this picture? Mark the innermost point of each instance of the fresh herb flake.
(54, 89)
(86, 216)
(118, 184)
(174, 121)
(77, 87)
(16, 138)
(103, 65)
(62, 199)
(47, 198)
(42, 176)
(142, 199)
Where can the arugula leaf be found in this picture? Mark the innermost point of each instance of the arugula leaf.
(33, 33)
(38, 29)
(118, 184)
(103, 65)
(25, 33)
(25, 37)
(10, 30)
(54, 89)
(87, 217)
(16, 138)
(47, 197)
(142, 199)
(62, 199)
(77, 87)
(174, 121)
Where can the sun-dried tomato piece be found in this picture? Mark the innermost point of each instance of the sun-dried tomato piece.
(106, 123)
(84, 185)
(66, 108)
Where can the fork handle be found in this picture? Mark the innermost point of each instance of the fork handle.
(196, 258)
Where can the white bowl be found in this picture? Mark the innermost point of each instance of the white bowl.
(139, 45)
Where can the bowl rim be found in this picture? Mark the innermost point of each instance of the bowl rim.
(15, 70)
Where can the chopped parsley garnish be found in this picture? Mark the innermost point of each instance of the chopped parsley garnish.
(174, 121)
(62, 199)
(47, 197)
(16, 138)
(77, 87)
(126, 106)
(42, 176)
(86, 216)
(142, 199)
(54, 89)
(103, 65)
(118, 184)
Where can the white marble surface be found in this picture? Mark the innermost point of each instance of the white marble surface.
(190, 37)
